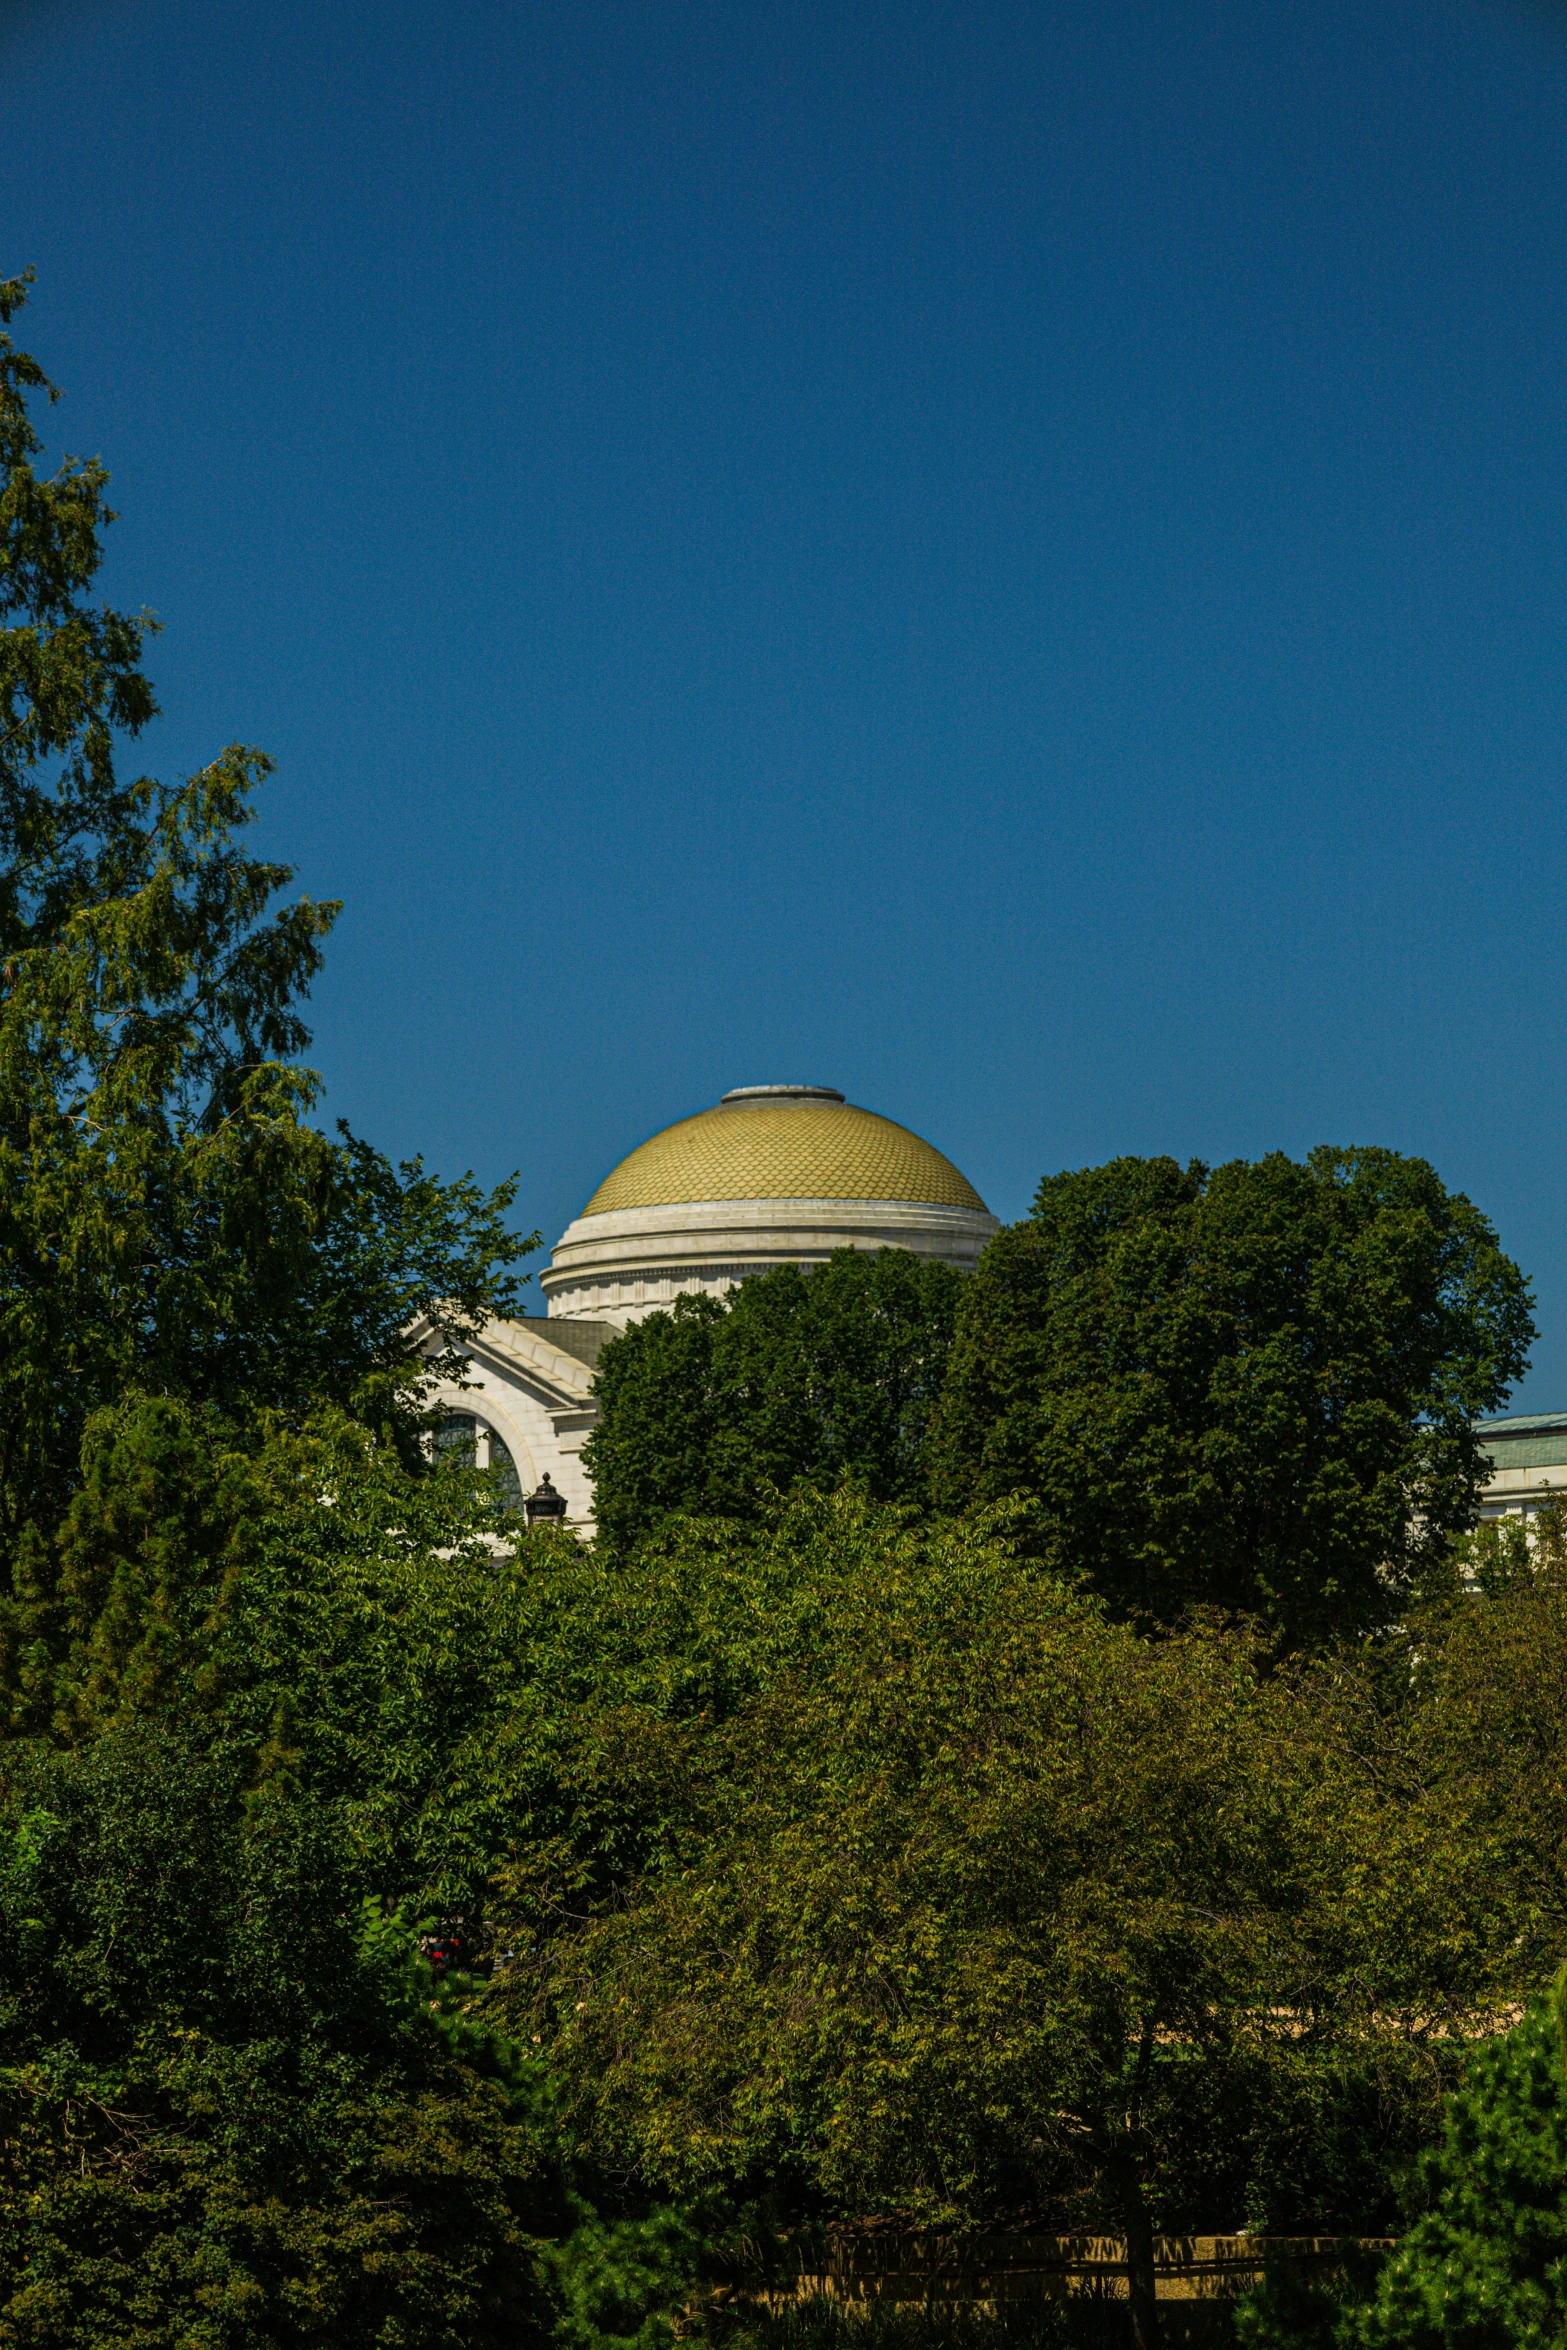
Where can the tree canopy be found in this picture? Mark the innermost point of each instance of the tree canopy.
(271, 1727)
(1253, 1387)
(1484, 2265)
(235, 2106)
(818, 1374)
(879, 1871)
(838, 1861)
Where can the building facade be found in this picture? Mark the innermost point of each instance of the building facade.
(1528, 1463)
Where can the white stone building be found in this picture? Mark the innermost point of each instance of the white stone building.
(1528, 1463)
(771, 1175)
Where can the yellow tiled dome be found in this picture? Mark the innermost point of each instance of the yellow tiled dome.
(783, 1142)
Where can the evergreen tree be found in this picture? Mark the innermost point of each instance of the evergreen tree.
(170, 1219)
(1487, 2264)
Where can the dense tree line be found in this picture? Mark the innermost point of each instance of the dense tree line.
(1252, 1387)
(1033, 1749)
(839, 1863)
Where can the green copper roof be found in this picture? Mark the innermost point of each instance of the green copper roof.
(1528, 1440)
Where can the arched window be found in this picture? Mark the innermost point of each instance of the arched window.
(456, 1433)
(508, 1485)
(478, 1444)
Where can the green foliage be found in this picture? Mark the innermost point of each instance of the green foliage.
(793, 1852)
(1485, 2265)
(1488, 2263)
(1305, 2312)
(171, 1220)
(823, 1374)
(257, 1661)
(309, 1609)
(891, 2325)
(236, 2106)
(229, 2113)
(1253, 1388)
(1472, 1692)
(875, 1856)
(874, 1870)
(617, 2282)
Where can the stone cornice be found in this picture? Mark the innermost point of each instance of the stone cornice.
(754, 1233)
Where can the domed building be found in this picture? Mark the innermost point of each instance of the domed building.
(774, 1175)
(771, 1175)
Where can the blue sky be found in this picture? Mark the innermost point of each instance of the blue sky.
(1010, 559)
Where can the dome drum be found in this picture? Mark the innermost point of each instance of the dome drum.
(616, 1267)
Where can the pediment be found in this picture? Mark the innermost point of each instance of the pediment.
(518, 1354)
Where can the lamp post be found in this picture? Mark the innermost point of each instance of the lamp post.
(546, 1507)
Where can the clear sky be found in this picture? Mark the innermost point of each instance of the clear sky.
(1011, 559)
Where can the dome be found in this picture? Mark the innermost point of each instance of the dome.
(770, 1175)
(783, 1142)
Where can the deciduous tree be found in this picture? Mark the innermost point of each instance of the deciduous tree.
(825, 1373)
(1252, 1388)
(922, 1889)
